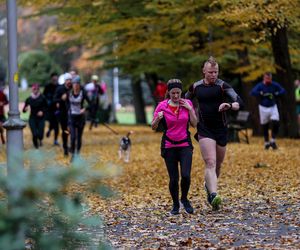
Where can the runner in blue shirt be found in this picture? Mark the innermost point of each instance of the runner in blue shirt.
(267, 91)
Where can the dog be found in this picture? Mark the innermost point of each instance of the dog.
(125, 147)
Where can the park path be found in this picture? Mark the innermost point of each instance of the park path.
(261, 208)
(256, 225)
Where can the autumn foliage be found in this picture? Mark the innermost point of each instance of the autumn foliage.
(260, 190)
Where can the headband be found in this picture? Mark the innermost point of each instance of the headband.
(174, 85)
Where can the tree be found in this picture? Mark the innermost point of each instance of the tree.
(37, 66)
(175, 37)
(271, 20)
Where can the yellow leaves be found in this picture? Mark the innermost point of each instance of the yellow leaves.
(257, 202)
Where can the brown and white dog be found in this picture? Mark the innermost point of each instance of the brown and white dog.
(125, 147)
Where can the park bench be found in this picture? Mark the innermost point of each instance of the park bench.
(239, 126)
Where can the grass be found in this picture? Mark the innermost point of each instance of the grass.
(128, 117)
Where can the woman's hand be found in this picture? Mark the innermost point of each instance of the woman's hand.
(160, 115)
(193, 118)
(185, 104)
(155, 122)
(40, 114)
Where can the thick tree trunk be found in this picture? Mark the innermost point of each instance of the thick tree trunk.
(138, 101)
(152, 80)
(287, 104)
(250, 102)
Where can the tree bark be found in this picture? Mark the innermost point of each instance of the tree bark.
(138, 101)
(250, 102)
(287, 104)
(152, 80)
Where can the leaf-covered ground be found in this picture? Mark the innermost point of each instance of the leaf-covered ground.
(261, 205)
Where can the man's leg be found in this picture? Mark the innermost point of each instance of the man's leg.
(208, 149)
(208, 152)
(275, 125)
(220, 158)
(275, 129)
(65, 135)
(264, 117)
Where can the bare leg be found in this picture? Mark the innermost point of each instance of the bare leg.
(220, 158)
(208, 152)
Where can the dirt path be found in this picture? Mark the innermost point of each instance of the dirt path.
(261, 207)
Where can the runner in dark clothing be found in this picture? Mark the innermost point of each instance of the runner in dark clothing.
(38, 107)
(50, 116)
(77, 96)
(211, 94)
(61, 102)
(3, 102)
(94, 91)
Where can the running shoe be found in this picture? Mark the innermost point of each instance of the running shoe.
(207, 193)
(187, 206)
(267, 146)
(273, 145)
(215, 201)
(175, 209)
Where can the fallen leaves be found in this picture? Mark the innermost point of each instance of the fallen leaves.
(261, 207)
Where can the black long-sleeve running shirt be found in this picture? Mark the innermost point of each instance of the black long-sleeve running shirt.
(210, 97)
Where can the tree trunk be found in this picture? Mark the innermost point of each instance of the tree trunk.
(152, 80)
(250, 102)
(287, 105)
(138, 101)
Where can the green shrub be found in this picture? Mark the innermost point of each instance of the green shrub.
(36, 66)
(44, 209)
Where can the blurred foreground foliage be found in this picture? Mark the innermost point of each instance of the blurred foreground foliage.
(37, 202)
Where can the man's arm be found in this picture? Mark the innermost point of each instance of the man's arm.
(256, 91)
(280, 90)
(190, 93)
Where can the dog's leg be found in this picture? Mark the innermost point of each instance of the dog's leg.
(120, 153)
(127, 155)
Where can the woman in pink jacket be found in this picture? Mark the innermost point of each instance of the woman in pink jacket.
(176, 114)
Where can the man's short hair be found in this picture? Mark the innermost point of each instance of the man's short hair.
(212, 61)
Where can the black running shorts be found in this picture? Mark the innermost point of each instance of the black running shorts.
(217, 134)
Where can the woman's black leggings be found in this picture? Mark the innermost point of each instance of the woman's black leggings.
(37, 125)
(76, 126)
(172, 156)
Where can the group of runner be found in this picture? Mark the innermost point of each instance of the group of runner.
(64, 106)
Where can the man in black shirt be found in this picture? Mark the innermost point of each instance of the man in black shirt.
(61, 103)
(211, 94)
(50, 116)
